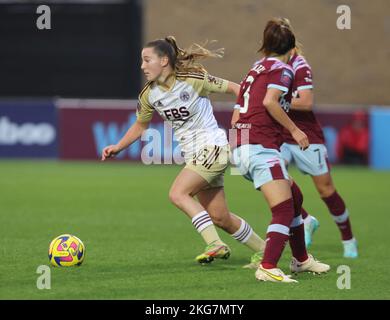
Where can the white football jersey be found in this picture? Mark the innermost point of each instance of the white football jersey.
(187, 107)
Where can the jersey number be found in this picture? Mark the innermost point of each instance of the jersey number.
(244, 109)
(319, 155)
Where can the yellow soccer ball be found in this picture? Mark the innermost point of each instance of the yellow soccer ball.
(66, 250)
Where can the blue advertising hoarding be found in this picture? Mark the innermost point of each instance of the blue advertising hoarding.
(28, 129)
(380, 142)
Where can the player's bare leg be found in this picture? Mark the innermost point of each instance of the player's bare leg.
(276, 192)
(324, 185)
(186, 185)
(214, 201)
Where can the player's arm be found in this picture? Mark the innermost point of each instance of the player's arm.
(236, 110)
(219, 85)
(144, 116)
(132, 134)
(233, 88)
(235, 116)
(271, 103)
(212, 84)
(304, 101)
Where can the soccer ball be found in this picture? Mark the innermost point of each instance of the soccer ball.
(66, 250)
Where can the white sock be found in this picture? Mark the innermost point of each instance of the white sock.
(247, 236)
(307, 219)
(204, 225)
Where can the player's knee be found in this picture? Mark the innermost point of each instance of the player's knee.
(325, 190)
(222, 221)
(176, 197)
(219, 222)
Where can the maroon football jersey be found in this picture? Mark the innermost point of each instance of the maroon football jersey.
(305, 120)
(263, 128)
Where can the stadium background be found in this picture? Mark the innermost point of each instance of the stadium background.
(67, 92)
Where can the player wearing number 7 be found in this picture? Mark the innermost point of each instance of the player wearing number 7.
(264, 99)
(314, 160)
(178, 89)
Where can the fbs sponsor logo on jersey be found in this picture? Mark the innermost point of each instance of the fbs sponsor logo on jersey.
(176, 113)
(286, 77)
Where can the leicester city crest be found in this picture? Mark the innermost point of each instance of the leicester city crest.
(184, 96)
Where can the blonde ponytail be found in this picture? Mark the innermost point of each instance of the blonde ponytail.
(184, 60)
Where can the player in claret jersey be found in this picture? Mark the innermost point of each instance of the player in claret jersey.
(314, 160)
(264, 98)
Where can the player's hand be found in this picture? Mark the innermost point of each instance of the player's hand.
(235, 117)
(109, 152)
(301, 138)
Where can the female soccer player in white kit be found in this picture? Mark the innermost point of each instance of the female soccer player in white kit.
(178, 89)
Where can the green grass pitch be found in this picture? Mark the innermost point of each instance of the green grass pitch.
(139, 246)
